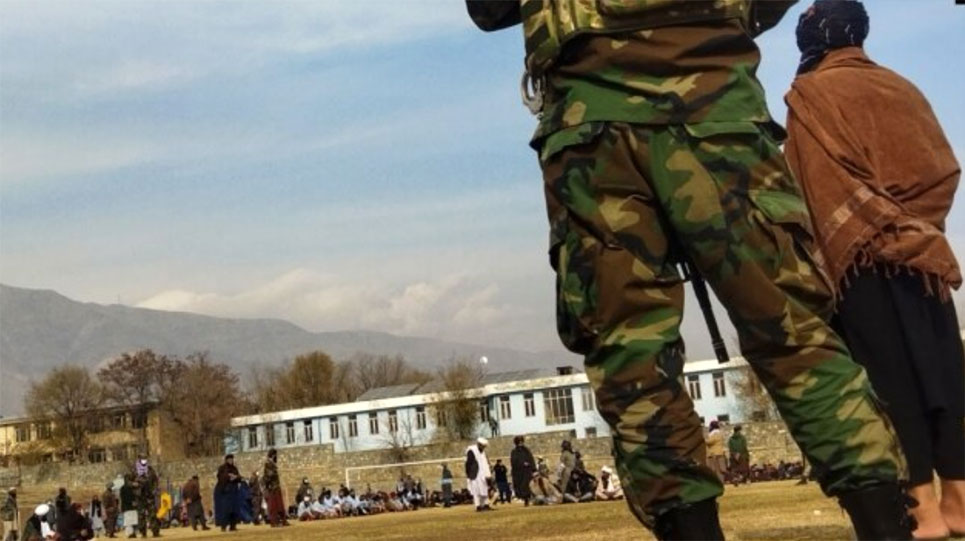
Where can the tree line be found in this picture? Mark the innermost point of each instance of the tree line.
(200, 396)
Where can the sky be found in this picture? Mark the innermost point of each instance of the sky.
(338, 164)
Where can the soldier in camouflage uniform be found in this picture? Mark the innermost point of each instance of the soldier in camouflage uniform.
(145, 494)
(656, 145)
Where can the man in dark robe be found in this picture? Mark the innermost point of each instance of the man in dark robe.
(272, 489)
(523, 465)
(227, 503)
(191, 492)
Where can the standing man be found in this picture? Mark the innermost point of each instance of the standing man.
(227, 495)
(272, 483)
(567, 463)
(446, 486)
(111, 510)
(257, 498)
(880, 177)
(501, 475)
(523, 466)
(146, 481)
(714, 441)
(657, 148)
(191, 492)
(478, 474)
(740, 458)
(9, 514)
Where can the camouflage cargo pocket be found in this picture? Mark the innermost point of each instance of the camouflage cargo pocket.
(572, 255)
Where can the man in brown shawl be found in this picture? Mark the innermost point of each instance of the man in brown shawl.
(880, 177)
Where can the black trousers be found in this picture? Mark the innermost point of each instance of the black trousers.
(909, 343)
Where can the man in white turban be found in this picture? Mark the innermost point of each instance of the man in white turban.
(478, 473)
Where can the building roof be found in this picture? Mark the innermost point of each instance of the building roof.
(413, 394)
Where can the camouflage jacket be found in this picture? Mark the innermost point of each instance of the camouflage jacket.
(703, 73)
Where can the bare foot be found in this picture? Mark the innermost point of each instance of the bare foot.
(953, 505)
(931, 525)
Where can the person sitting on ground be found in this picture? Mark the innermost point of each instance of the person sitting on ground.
(304, 512)
(319, 511)
(332, 504)
(544, 492)
(33, 529)
(72, 525)
(609, 486)
(581, 487)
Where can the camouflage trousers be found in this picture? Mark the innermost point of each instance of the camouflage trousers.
(147, 518)
(624, 202)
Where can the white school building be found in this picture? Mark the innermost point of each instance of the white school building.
(510, 403)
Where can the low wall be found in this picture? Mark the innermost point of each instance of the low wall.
(768, 442)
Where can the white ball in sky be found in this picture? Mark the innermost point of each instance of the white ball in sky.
(484, 360)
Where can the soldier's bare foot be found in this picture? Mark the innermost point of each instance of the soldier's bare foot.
(927, 513)
(953, 505)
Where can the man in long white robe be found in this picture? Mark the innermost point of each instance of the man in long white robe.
(478, 474)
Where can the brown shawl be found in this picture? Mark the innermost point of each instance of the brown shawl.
(877, 171)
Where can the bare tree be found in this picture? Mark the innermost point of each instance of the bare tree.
(308, 380)
(753, 401)
(200, 397)
(67, 396)
(133, 380)
(374, 371)
(400, 439)
(459, 404)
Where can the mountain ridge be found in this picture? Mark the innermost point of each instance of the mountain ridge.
(42, 328)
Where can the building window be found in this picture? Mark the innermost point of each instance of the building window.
(484, 411)
(591, 432)
(589, 401)
(252, 437)
(270, 435)
(289, 433)
(139, 419)
(719, 388)
(420, 417)
(43, 430)
(353, 426)
(373, 423)
(120, 453)
(529, 404)
(333, 428)
(23, 433)
(95, 456)
(393, 421)
(505, 411)
(693, 386)
(309, 431)
(558, 406)
(95, 425)
(724, 418)
(442, 419)
(119, 421)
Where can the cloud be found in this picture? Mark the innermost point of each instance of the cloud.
(454, 307)
(27, 157)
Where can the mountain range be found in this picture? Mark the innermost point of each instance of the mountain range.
(42, 329)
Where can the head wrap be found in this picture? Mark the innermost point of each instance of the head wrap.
(827, 25)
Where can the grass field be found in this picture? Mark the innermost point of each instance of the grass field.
(776, 510)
